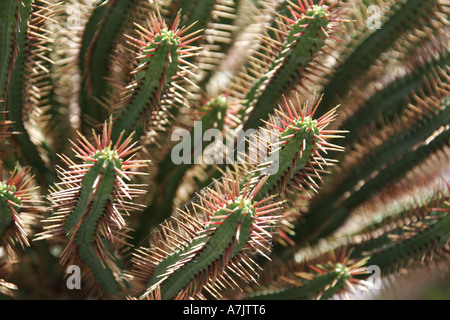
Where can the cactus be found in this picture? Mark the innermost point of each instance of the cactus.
(222, 149)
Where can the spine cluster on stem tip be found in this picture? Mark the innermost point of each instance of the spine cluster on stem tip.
(89, 204)
(209, 246)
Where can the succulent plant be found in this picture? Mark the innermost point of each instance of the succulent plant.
(222, 149)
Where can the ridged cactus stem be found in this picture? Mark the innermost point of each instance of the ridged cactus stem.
(220, 235)
(162, 52)
(306, 34)
(88, 205)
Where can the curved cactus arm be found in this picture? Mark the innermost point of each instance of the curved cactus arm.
(301, 41)
(26, 80)
(96, 45)
(88, 206)
(162, 54)
(107, 23)
(297, 157)
(213, 243)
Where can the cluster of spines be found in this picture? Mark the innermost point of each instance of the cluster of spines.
(301, 143)
(320, 278)
(201, 250)
(19, 209)
(88, 207)
(156, 81)
(285, 59)
(100, 49)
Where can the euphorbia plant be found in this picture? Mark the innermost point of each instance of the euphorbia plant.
(343, 166)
